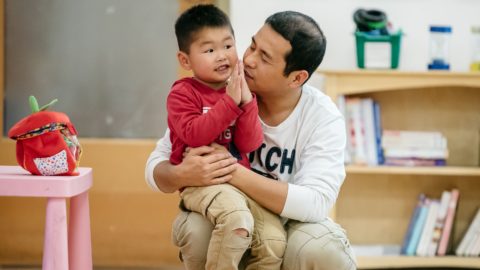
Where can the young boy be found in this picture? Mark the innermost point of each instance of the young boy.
(216, 105)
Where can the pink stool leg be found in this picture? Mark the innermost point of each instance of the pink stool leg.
(79, 239)
(55, 245)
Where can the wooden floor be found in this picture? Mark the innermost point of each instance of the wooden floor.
(8, 267)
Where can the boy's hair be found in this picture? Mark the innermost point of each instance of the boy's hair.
(306, 38)
(195, 19)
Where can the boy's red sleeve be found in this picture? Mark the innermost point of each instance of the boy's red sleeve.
(248, 135)
(191, 125)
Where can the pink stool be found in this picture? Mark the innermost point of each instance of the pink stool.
(60, 251)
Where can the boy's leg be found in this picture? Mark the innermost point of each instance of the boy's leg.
(191, 233)
(226, 207)
(318, 246)
(269, 239)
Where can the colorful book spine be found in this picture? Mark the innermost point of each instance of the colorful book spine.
(439, 223)
(378, 132)
(411, 225)
(447, 228)
(462, 249)
(417, 230)
(428, 228)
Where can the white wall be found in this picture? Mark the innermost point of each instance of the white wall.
(335, 18)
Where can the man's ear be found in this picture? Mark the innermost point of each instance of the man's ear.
(298, 78)
(183, 60)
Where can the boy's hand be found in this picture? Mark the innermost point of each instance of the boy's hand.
(234, 87)
(246, 94)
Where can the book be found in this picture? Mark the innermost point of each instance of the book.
(378, 132)
(447, 228)
(469, 234)
(428, 228)
(369, 131)
(476, 247)
(417, 229)
(414, 139)
(356, 129)
(376, 250)
(342, 107)
(439, 223)
(415, 152)
(414, 162)
(416, 213)
(470, 249)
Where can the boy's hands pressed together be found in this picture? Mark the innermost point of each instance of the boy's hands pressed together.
(234, 87)
(246, 94)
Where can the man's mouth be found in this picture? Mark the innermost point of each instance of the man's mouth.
(247, 75)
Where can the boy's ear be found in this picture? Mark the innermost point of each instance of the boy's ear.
(298, 78)
(183, 60)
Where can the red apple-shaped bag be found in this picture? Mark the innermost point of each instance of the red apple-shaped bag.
(46, 142)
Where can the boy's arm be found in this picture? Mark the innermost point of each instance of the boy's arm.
(194, 127)
(248, 135)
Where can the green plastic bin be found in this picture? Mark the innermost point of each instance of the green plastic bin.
(394, 40)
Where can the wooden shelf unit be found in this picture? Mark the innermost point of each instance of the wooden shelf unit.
(376, 203)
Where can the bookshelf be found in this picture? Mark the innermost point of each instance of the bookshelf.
(376, 202)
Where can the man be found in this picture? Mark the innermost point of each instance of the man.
(304, 141)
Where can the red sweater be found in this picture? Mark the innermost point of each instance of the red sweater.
(199, 115)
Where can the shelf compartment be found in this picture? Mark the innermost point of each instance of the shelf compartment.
(366, 81)
(381, 262)
(440, 171)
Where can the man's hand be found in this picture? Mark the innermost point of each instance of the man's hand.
(234, 87)
(204, 166)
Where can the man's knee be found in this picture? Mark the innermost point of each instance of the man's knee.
(191, 233)
(318, 246)
(330, 253)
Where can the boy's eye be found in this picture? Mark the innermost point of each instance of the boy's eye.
(209, 51)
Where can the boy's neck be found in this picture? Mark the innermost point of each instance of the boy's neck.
(274, 109)
(214, 86)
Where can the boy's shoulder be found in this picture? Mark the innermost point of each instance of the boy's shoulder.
(187, 82)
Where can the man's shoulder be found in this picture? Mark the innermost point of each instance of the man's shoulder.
(318, 102)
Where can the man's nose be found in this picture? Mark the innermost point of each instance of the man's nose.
(248, 59)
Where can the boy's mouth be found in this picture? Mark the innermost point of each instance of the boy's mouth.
(222, 68)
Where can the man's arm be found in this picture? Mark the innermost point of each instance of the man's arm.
(196, 169)
(268, 193)
(316, 184)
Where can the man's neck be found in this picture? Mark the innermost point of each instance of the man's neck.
(273, 110)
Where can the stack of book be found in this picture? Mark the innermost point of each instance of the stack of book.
(430, 226)
(414, 148)
(470, 244)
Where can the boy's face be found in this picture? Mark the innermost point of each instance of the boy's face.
(212, 56)
(265, 61)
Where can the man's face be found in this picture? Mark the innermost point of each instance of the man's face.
(213, 56)
(264, 61)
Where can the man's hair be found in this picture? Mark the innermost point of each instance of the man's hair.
(195, 19)
(306, 38)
